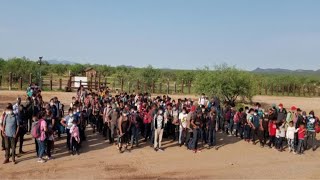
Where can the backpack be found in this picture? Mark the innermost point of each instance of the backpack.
(236, 117)
(35, 129)
(256, 121)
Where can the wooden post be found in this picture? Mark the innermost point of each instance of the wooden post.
(0, 80)
(51, 82)
(160, 87)
(60, 84)
(303, 91)
(129, 86)
(114, 85)
(182, 84)
(288, 90)
(70, 83)
(99, 81)
(121, 84)
(175, 87)
(189, 87)
(105, 82)
(95, 82)
(266, 89)
(91, 79)
(30, 78)
(260, 88)
(153, 87)
(138, 86)
(168, 87)
(20, 83)
(10, 81)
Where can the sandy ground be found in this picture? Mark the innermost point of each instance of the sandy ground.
(234, 159)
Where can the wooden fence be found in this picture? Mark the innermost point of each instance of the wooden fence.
(66, 83)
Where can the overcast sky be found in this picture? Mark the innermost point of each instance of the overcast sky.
(184, 34)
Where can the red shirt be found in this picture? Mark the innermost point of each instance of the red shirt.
(272, 128)
(301, 133)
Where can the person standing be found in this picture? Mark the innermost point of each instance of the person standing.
(212, 127)
(41, 141)
(67, 122)
(158, 123)
(22, 127)
(196, 124)
(311, 132)
(183, 126)
(124, 127)
(134, 127)
(10, 132)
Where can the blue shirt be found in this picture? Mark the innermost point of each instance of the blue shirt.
(11, 123)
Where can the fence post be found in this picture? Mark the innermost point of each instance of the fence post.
(129, 86)
(95, 82)
(168, 87)
(60, 84)
(138, 86)
(260, 88)
(121, 84)
(99, 81)
(145, 87)
(10, 81)
(20, 83)
(153, 87)
(51, 82)
(182, 84)
(0, 80)
(266, 89)
(175, 87)
(70, 83)
(91, 79)
(189, 87)
(105, 82)
(30, 78)
(80, 83)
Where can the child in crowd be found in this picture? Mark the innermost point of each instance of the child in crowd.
(75, 138)
(280, 135)
(272, 133)
(290, 136)
(301, 136)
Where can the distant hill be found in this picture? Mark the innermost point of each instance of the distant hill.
(60, 62)
(284, 71)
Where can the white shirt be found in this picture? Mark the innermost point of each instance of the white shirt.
(183, 120)
(290, 133)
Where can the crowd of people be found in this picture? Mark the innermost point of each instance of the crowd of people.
(129, 120)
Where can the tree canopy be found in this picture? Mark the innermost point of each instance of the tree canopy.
(225, 82)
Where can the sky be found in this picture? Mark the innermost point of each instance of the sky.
(182, 34)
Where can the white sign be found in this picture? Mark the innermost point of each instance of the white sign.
(77, 79)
